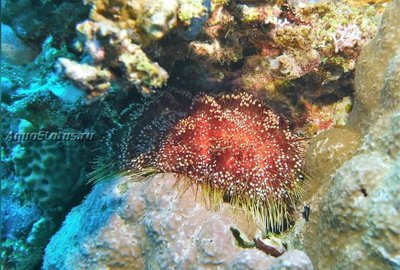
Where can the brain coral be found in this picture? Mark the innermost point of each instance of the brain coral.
(128, 224)
(52, 171)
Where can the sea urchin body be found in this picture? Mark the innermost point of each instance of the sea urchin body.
(237, 146)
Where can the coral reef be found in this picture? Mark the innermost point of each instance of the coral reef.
(45, 177)
(42, 177)
(54, 178)
(380, 4)
(16, 253)
(18, 211)
(379, 60)
(95, 80)
(130, 224)
(360, 228)
(54, 149)
(216, 44)
(34, 21)
(18, 214)
(117, 33)
(333, 148)
(353, 225)
(36, 76)
(200, 88)
(120, 53)
(316, 41)
(320, 117)
(297, 56)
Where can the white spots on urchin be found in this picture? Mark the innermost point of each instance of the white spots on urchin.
(233, 144)
(237, 145)
(132, 146)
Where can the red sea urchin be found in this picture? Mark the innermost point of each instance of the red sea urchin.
(236, 146)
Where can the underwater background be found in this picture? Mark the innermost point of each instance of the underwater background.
(200, 134)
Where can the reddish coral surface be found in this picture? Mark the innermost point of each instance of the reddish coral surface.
(237, 144)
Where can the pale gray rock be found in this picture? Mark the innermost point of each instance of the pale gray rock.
(153, 224)
(292, 260)
(249, 259)
(13, 49)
